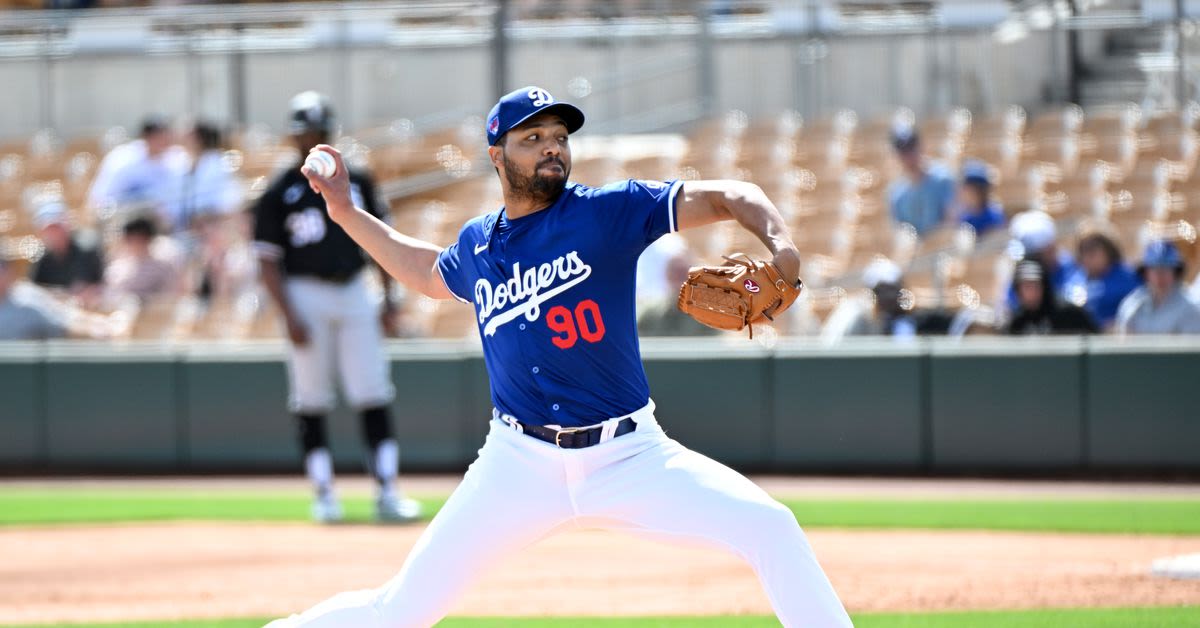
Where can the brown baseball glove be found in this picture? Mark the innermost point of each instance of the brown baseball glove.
(737, 295)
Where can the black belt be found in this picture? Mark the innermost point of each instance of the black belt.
(571, 437)
(337, 278)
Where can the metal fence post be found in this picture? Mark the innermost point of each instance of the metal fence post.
(46, 114)
(706, 64)
(237, 79)
(500, 50)
(1180, 59)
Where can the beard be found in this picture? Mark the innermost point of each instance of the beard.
(536, 186)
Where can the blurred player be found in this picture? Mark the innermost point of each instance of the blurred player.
(315, 274)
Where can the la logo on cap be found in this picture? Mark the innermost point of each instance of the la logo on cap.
(540, 97)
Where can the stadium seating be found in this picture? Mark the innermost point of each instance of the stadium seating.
(829, 177)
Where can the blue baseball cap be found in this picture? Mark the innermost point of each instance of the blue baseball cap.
(518, 106)
(1161, 254)
(976, 172)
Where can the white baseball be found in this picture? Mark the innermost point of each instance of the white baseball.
(321, 163)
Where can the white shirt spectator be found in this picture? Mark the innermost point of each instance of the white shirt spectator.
(652, 267)
(129, 177)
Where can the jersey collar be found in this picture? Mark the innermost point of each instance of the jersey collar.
(489, 221)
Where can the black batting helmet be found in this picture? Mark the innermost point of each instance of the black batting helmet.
(310, 111)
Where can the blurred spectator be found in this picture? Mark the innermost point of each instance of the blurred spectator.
(66, 264)
(141, 270)
(653, 276)
(1039, 310)
(1035, 237)
(976, 207)
(140, 175)
(973, 321)
(208, 187)
(887, 312)
(1159, 306)
(661, 316)
(22, 319)
(925, 194)
(1102, 278)
(226, 263)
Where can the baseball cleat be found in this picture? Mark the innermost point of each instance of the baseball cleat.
(393, 510)
(326, 510)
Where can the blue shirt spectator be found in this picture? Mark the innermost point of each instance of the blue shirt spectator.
(976, 207)
(1102, 278)
(1102, 296)
(987, 218)
(926, 193)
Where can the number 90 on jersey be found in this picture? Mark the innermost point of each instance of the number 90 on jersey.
(584, 322)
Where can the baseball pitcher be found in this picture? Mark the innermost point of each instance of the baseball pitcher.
(573, 439)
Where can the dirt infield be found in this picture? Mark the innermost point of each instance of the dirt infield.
(189, 570)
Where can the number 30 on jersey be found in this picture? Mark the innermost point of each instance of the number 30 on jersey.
(306, 227)
(571, 325)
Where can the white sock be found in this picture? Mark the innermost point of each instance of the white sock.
(387, 466)
(318, 464)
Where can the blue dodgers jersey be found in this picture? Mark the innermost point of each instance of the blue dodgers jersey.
(554, 300)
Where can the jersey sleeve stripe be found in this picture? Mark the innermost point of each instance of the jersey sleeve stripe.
(675, 187)
(447, 283)
(268, 249)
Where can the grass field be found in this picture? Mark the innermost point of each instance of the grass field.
(1181, 617)
(31, 506)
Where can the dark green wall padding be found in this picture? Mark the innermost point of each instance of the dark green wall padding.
(926, 407)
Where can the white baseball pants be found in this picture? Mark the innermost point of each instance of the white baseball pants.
(521, 490)
(344, 335)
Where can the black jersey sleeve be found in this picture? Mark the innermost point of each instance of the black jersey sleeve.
(269, 230)
(376, 204)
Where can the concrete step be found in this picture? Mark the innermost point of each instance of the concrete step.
(1131, 66)
(1102, 92)
(1134, 41)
